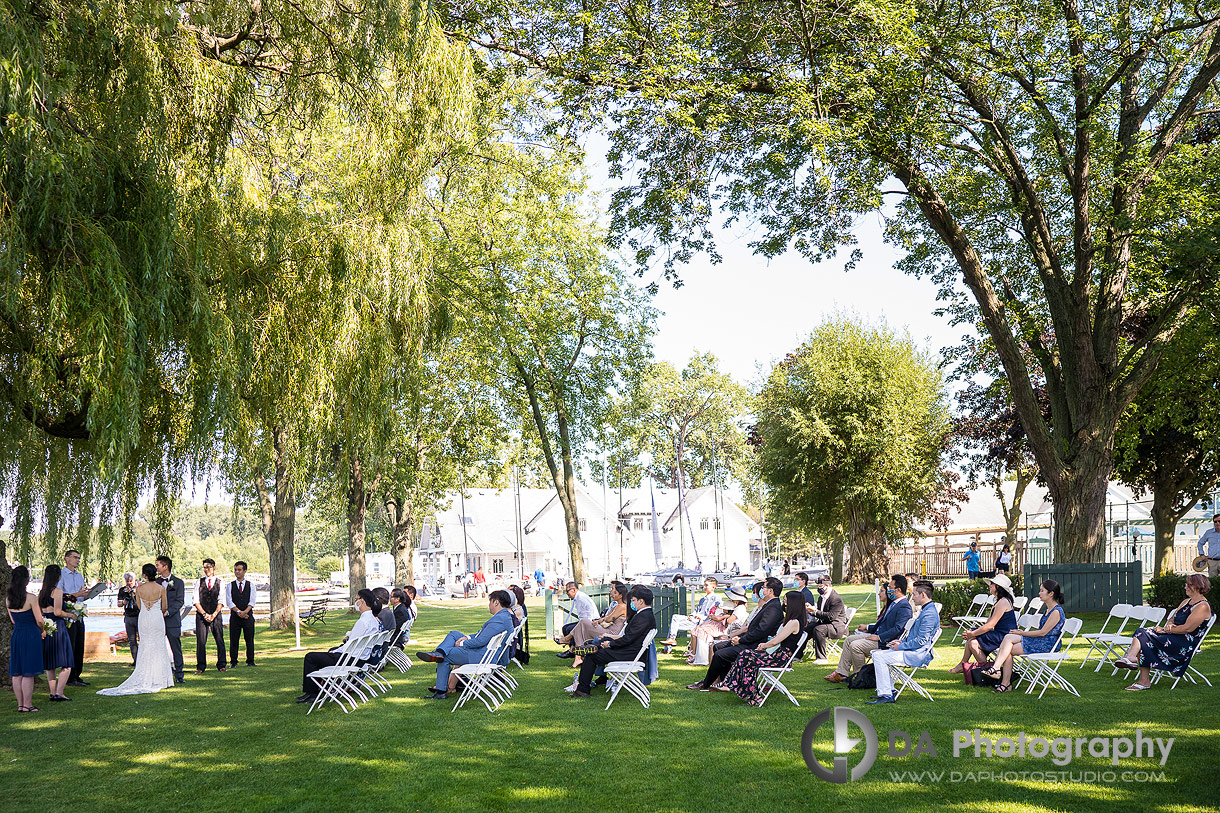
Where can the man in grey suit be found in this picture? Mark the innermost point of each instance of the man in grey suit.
(175, 595)
(458, 648)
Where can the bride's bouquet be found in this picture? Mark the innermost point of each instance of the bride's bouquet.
(48, 625)
(80, 610)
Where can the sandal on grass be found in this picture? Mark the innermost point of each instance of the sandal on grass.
(1001, 688)
(991, 671)
(1137, 687)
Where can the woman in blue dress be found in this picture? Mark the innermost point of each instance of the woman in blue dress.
(1170, 648)
(987, 638)
(57, 648)
(25, 646)
(1031, 642)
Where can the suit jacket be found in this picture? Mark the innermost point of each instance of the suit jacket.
(763, 625)
(175, 596)
(625, 647)
(833, 611)
(401, 616)
(893, 619)
(921, 636)
(502, 621)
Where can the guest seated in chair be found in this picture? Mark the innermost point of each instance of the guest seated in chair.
(894, 616)
(610, 624)
(1030, 642)
(914, 650)
(623, 648)
(1169, 648)
(458, 648)
(766, 621)
(828, 618)
(982, 641)
(732, 615)
(742, 677)
(366, 624)
(400, 603)
(707, 603)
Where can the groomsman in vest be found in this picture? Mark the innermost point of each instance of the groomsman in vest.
(240, 596)
(208, 618)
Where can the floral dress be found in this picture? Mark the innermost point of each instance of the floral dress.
(742, 677)
(1049, 642)
(1170, 651)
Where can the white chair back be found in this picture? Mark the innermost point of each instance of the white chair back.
(1153, 616)
(1035, 605)
(1071, 627)
(851, 613)
(1018, 604)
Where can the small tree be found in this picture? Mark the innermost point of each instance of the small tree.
(852, 426)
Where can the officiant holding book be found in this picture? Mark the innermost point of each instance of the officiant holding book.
(72, 582)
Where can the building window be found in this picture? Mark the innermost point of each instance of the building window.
(468, 520)
(639, 523)
(584, 525)
(497, 565)
(716, 523)
(703, 524)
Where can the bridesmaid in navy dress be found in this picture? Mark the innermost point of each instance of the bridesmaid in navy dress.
(25, 646)
(57, 648)
(1169, 648)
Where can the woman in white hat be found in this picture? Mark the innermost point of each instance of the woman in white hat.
(986, 639)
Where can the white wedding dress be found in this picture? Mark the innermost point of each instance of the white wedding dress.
(154, 663)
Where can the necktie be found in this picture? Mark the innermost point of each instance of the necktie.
(209, 583)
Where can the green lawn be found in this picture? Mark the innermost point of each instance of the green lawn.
(240, 737)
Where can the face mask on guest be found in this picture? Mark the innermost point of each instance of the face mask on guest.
(889, 593)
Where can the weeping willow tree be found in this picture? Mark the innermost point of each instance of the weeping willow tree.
(155, 227)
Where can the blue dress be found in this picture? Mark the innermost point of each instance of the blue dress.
(57, 648)
(1049, 642)
(1170, 651)
(25, 647)
(990, 641)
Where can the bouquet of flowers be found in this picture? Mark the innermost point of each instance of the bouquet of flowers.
(48, 625)
(79, 610)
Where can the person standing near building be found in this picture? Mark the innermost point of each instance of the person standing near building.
(240, 596)
(1209, 546)
(972, 561)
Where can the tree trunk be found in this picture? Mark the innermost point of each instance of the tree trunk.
(1012, 513)
(836, 560)
(867, 542)
(1165, 517)
(1080, 510)
(279, 529)
(403, 545)
(357, 505)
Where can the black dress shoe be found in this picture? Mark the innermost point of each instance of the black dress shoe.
(566, 655)
(306, 699)
(578, 694)
(435, 656)
(438, 696)
(78, 682)
(58, 698)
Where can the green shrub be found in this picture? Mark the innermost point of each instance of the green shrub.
(1168, 590)
(955, 596)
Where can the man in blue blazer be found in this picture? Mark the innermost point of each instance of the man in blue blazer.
(915, 649)
(875, 636)
(458, 648)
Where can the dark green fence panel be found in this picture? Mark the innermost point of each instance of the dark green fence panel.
(666, 602)
(1090, 588)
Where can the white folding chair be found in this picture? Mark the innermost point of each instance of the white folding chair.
(332, 680)
(904, 675)
(1157, 674)
(975, 615)
(1142, 617)
(1042, 668)
(1018, 604)
(1119, 613)
(395, 654)
(626, 675)
(772, 677)
(833, 650)
(367, 674)
(1029, 621)
(1035, 606)
(501, 677)
(477, 676)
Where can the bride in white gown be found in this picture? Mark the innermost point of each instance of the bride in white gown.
(154, 663)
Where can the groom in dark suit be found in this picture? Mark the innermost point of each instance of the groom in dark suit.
(175, 597)
(626, 646)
